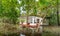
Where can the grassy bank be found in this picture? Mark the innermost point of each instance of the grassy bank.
(9, 29)
(51, 31)
(14, 30)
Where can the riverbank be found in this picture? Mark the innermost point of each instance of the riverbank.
(15, 30)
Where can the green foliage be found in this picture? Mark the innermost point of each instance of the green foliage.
(22, 20)
(53, 20)
(10, 10)
(44, 8)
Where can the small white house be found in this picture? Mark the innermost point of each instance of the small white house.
(31, 20)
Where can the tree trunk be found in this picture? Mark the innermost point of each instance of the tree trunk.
(58, 13)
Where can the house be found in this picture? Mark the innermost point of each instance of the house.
(34, 22)
(31, 19)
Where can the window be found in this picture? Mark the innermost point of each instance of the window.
(37, 20)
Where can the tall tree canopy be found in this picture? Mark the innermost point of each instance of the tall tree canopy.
(9, 9)
(42, 8)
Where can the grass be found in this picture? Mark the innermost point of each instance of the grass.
(48, 33)
(51, 31)
(14, 30)
(9, 29)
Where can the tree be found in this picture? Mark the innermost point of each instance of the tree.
(26, 4)
(44, 8)
(10, 10)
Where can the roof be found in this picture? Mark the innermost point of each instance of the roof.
(24, 17)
